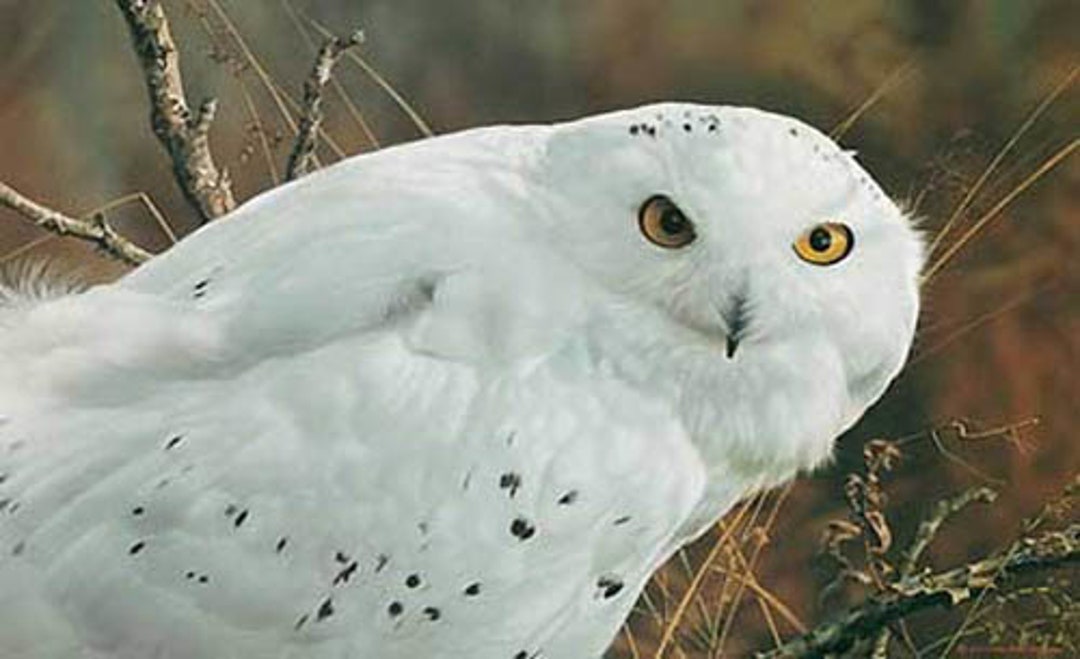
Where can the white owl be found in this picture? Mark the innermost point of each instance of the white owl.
(454, 399)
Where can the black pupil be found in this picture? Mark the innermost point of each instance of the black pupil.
(820, 239)
(672, 221)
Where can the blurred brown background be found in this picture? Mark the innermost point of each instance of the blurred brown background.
(1001, 327)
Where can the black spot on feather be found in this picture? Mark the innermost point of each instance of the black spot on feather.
(395, 609)
(473, 589)
(137, 547)
(346, 573)
(413, 580)
(522, 529)
(568, 498)
(432, 613)
(326, 609)
(241, 518)
(280, 546)
(173, 442)
(609, 587)
(510, 481)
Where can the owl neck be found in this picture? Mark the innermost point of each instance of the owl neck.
(756, 418)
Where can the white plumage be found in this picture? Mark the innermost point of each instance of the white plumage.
(457, 398)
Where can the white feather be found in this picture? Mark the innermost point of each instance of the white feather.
(439, 401)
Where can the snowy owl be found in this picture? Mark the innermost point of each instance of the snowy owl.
(453, 399)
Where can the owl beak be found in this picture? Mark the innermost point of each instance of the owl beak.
(732, 346)
(737, 320)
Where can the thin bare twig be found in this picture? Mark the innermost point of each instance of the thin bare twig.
(185, 135)
(303, 151)
(95, 230)
(949, 589)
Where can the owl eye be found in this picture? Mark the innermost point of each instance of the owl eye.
(663, 224)
(825, 244)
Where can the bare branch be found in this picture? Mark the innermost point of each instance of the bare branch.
(184, 134)
(303, 151)
(95, 230)
(949, 589)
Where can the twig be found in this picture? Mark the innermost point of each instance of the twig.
(949, 589)
(929, 527)
(184, 135)
(95, 230)
(928, 530)
(379, 80)
(303, 151)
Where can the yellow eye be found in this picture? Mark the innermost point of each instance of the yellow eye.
(825, 244)
(661, 221)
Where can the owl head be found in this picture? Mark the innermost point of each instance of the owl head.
(768, 287)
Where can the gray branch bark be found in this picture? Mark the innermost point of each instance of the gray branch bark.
(95, 230)
(185, 135)
(948, 589)
(302, 156)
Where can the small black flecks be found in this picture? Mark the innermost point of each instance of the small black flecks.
(510, 481)
(137, 547)
(19, 548)
(522, 654)
(280, 546)
(651, 130)
(240, 518)
(326, 609)
(609, 587)
(712, 128)
(199, 289)
(301, 622)
(687, 127)
(138, 511)
(432, 613)
(634, 129)
(4, 503)
(173, 442)
(162, 484)
(204, 579)
(793, 132)
(413, 580)
(466, 481)
(423, 527)
(510, 438)
(380, 562)
(230, 510)
(395, 609)
(522, 529)
(341, 557)
(3, 477)
(473, 589)
(568, 498)
(622, 520)
(189, 575)
(346, 573)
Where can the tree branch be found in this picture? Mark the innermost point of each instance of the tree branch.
(303, 152)
(1048, 551)
(95, 230)
(185, 135)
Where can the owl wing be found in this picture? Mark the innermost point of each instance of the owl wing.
(204, 466)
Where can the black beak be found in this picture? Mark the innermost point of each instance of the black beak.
(732, 346)
(737, 320)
